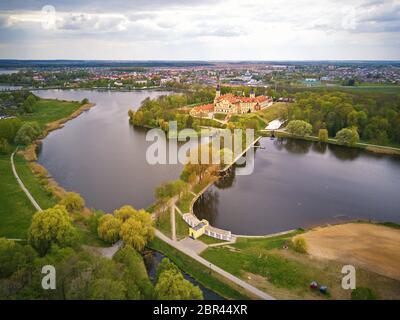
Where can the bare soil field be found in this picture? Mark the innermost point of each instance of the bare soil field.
(369, 246)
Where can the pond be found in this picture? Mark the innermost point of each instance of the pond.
(153, 258)
(298, 183)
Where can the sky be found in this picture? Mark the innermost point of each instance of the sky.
(200, 30)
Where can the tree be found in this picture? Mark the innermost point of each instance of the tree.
(29, 103)
(124, 213)
(27, 133)
(323, 135)
(14, 256)
(73, 202)
(348, 136)
(9, 128)
(107, 289)
(49, 226)
(108, 228)
(84, 101)
(172, 286)
(299, 128)
(5, 147)
(138, 230)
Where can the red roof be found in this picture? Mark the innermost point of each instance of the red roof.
(234, 99)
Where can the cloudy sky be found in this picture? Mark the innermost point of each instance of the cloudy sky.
(200, 30)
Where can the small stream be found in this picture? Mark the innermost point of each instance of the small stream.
(153, 258)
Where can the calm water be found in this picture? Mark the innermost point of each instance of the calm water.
(100, 155)
(301, 184)
(153, 258)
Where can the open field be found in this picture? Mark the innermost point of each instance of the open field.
(370, 246)
(273, 265)
(47, 111)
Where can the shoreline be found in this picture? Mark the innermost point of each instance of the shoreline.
(374, 148)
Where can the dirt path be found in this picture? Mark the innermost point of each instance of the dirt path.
(370, 246)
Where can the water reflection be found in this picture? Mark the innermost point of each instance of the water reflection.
(302, 184)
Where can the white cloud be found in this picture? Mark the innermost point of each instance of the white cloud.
(226, 29)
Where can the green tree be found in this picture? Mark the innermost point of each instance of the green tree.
(27, 133)
(14, 256)
(172, 286)
(107, 289)
(323, 135)
(49, 226)
(299, 128)
(73, 202)
(124, 213)
(9, 128)
(138, 230)
(29, 103)
(348, 136)
(108, 228)
(5, 147)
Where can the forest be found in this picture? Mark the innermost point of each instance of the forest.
(376, 116)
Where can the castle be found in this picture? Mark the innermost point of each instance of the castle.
(231, 104)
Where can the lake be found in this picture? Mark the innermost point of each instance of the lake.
(295, 183)
(100, 155)
(298, 183)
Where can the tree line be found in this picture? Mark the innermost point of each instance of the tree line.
(375, 117)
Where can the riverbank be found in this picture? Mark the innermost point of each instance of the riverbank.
(386, 150)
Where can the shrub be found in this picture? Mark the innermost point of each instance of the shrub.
(73, 202)
(323, 135)
(300, 244)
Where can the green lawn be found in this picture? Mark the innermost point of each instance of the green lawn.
(184, 202)
(47, 111)
(182, 228)
(16, 210)
(210, 240)
(163, 223)
(201, 273)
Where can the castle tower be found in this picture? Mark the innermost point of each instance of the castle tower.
(217, 91)
(252, 94)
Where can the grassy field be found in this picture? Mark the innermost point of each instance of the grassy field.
(286, 274)
(47, 111)
(201, 273)
(16, 210)
(164, 225)
(184, 202)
